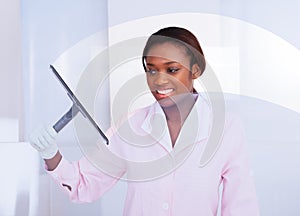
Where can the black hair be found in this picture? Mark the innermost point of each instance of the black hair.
(180, 36)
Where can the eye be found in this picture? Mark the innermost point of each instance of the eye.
(151, 71)
(173, 70)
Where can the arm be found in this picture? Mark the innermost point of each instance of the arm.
(239, 196)
(52, 163)
(80, 180)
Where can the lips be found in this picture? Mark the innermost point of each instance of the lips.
(165, 91)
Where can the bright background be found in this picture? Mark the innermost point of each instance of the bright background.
(252, 46)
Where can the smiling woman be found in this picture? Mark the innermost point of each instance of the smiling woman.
(160, 145)
(172, 59)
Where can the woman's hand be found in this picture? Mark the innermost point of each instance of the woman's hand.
(43, 140)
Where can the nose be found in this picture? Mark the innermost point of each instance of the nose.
(160, 79)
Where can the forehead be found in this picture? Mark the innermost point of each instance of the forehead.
(168, 52)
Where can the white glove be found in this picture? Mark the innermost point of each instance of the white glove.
(43, 140)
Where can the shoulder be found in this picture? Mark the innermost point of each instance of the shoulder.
(233, 120)
(214, 111)
(220, 111)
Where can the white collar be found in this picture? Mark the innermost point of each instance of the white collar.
(196, 127)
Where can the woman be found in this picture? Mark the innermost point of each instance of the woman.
(172, 60)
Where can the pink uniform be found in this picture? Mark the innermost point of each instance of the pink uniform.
(186, 188)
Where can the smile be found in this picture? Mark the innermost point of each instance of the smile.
(164, 92)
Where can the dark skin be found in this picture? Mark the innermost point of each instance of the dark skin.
(170, 79)
(53, 162)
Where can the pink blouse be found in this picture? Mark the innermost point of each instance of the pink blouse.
(170, 181)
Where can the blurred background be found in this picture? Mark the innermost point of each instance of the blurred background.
(251, 46)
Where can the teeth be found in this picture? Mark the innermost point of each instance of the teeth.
(167, 91)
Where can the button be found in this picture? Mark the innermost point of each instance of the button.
(165, 206)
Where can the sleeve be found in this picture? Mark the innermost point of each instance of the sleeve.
(238, 195)
(81, 181)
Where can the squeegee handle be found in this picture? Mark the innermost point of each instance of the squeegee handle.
(66, 118)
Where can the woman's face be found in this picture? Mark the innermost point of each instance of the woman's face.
(169, 74)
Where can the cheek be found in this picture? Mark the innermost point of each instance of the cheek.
(149, 82)
(185, 82)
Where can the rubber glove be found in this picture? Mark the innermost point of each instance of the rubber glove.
(43, 140)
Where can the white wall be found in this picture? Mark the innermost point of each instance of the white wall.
(56, 32)
(11, 70)
(30, 95)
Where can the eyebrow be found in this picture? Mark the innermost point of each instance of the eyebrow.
(166, 63)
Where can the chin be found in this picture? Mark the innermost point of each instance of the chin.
(178, 100)
(166, 102)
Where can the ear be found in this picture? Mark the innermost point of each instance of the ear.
(196, 71)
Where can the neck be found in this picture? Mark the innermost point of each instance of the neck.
(178, 112)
